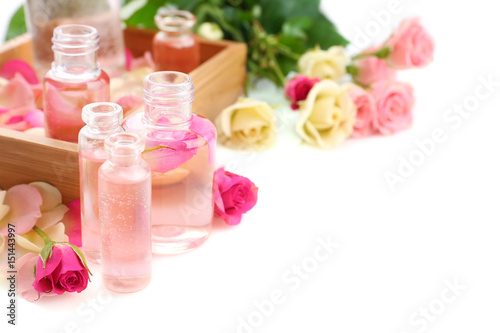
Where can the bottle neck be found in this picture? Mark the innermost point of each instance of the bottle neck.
(103, 117)
(75, 52)
(124, 149)
(175, 23)
(168, 97)
(76, 67)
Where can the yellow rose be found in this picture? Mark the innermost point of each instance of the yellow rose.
(247, 124)
(329, 64)
(327, 115)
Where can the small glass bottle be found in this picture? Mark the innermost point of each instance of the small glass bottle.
(75, 80)
(102, 119)
(176, 47)
(125, 214)
(43, 16)
(180, 149)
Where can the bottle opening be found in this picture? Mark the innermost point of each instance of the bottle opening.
(102, 115)
(124, 145)
(168, 97)
(75, 39)
(174, 20)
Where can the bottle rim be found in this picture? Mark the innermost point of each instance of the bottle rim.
(75, 39)
(174, 20)
(102, 114)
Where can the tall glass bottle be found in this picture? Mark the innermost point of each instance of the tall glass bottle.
(180, 149)
(102, 119)
(43, 16)
(176, 47)
(125, 214)
(75, 80)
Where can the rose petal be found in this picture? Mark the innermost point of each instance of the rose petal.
(17, 96)
(72, 222)
(32, 241)
(11, 67)
(24, 202)
(51, 196)
(205, 128)
(128, 59)
(25, 267)
(35, 118)
(36, 131)
(2, 243)
(52, 217)
(14, 120)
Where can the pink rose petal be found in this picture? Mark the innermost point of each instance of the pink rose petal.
(17, 96)
(25, 278)
(72, 222)
(128, 59)
(12, 67)
(35, 118)
(14, 120)
(206, 129)
(24, 202)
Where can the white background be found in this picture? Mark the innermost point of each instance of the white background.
(397, 248)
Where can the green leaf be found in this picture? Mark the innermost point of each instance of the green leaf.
(17, 25)
(297, 26)
(324, 33)
(46, 252)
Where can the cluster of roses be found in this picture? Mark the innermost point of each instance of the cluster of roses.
(332, 110)
(375, 102)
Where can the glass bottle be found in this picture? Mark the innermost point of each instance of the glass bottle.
(125, 214)
(102, 119)
(180, 149)
(176, 47)
(43, 16)
(75, 80)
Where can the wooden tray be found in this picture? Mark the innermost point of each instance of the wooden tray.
(24, 158)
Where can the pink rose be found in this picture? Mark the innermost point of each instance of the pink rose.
(411, 45)
(234, 195)
(373, 69)
(367, 111)
(298, 88)
(394, 102)
(64, 271)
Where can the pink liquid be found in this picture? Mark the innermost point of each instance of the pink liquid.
(179, 54)
(91, 227)
(63, 103)
(124, 207)
(182, 206)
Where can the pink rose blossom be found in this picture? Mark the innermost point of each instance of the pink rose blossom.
(64, 271)
(234, 195)
(298, 88)
(394, 101)
(411, 45)
(366, 111)
(373, 69)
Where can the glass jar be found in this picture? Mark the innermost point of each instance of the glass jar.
(75, 80)
(176, 47)
(102, 119)
(43, 16)
(180, 149)
(125, 214)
